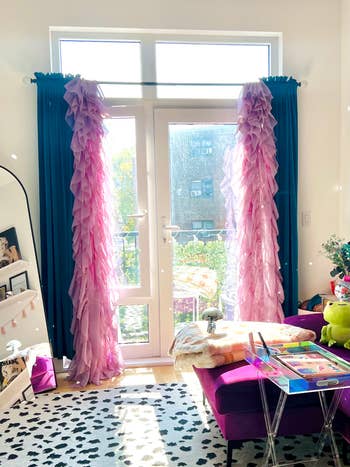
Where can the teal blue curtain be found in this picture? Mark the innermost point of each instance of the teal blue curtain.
(56, 204)
(285, 111)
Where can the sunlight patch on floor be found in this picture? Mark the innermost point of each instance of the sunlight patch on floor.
(133, 377)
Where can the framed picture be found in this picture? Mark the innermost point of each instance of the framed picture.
(10, 369)
(3, 290)
(15, 384)
(19, 282)
(9, 248)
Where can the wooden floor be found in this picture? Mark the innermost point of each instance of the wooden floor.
(130, 377)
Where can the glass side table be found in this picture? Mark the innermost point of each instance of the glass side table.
(298, 368)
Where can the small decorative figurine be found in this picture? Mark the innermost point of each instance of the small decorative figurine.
(212, 315)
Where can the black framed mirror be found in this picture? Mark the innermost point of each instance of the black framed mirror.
(23, 328)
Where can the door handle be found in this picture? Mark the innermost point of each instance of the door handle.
(167, 229)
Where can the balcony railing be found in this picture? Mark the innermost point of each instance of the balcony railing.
(127, 239)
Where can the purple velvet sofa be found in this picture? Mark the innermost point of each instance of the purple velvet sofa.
(233, 394)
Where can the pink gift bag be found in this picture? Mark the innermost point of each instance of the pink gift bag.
(43, 375)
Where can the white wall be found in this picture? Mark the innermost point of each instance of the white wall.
(344, 212)
(311, 32)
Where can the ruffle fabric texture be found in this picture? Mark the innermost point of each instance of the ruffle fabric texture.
(259, 282)
(93, 287)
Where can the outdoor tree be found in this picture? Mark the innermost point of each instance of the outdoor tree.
(123, 165)
(125, 203)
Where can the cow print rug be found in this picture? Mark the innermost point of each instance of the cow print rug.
(142, 426)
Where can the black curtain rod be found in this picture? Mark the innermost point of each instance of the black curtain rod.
(154, 83)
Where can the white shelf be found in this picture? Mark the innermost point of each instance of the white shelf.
(13, 269)
(22, 299)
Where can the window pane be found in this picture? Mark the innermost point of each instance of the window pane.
(207, 188)
(133, 324)
(196, 189)
(120, 146)
(104, 61)
(199, 254)
(209, 63)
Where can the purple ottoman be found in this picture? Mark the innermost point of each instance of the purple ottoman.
(233, 395)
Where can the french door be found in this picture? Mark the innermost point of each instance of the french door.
(167, 167)
(189, 153)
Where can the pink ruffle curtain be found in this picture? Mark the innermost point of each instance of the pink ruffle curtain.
(93, 287)
(259, 282)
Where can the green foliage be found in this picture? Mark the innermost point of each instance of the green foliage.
(338, 251)
(130, 266)
(182, 317)
(191, 253)
(133, 322)
(125, 203)
(216, 258)
(123, 166)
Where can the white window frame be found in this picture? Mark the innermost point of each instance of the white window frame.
(145, 111)
(148, 39)
(143, 289)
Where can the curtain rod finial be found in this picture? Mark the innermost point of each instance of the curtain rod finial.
(26, 80)
(303, 83)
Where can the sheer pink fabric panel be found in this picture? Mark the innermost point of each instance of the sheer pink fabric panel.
(259, 282)
(93, 288)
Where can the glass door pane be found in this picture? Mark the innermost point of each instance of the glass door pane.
(197, 207)
(133, 324)
(190, 149)
(120, 143)
(124, 145)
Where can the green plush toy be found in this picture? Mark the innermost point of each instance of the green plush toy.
(338, 330)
